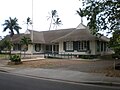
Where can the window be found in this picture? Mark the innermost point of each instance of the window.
(77, 45)
(48, 48)
(102, 46)
(69, 46)
(37, 47)
(98, 46)
(16, 47)
(83, 45)
(105, 46)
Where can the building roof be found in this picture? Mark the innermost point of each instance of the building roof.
(80, 33)
(16, 37)
(72, 34)
(49, 36)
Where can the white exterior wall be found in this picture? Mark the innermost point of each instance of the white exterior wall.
(30, 49)
(61, 47)
(41, 50)
(93, 47)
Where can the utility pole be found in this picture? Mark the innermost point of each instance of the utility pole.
(32, 31)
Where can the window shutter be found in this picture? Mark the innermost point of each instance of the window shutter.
(64, 45)
(88, 45)
(75, 45)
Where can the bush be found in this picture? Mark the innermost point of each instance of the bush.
(117, 66)
(116, 56)
(87, 56)
(52, 57)
(15, 58)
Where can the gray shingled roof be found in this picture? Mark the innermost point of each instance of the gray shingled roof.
(49, 36)
(72, 34)
(79, 34)
(16, 38)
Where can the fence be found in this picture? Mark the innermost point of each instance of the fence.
(59, 55)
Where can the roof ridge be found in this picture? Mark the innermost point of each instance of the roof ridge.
(52, 30)
(65, 35)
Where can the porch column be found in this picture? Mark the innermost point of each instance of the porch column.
(32, 49)
(52, 48)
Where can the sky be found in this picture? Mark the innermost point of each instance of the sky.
(21, 9)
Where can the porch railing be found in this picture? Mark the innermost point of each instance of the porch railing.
(58, 55)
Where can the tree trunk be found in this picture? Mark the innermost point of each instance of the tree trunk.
(10, 47)
(50, 25)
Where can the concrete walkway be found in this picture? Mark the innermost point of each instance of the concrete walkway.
(67, 75)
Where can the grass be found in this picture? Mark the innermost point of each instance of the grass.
(4, 56)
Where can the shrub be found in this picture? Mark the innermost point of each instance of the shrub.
(15, 58)
(87, 56)
(116, 56)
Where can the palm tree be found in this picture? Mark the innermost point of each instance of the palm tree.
(52, 16)
(28, 22)
(57, 22)
(0, 37)
(24, 42)
(80, 13)
(12, 25)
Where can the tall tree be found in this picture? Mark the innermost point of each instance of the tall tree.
(25, 41)
(1, 46)
(28, 22)
(80, 13)
(0, 37)
(52, 16)
(102, 14)
(115, 42)
(57, 22)
(11, 24)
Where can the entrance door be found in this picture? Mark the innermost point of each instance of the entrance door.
(48, 48)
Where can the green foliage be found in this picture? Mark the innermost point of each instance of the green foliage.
(53, 16)
(101, 14)
(87, 56)
(52, 57)
(15, 58)
(12, 25)
(6, 45)
(57, 22)
(25, 41)
(1, 46)
(115, 42)
(116, 56)
(28, 22)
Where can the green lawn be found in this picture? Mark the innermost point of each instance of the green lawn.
(4, 56)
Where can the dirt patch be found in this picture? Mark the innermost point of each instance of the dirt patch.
(101, 66)
(109, 71)
(49, 63)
